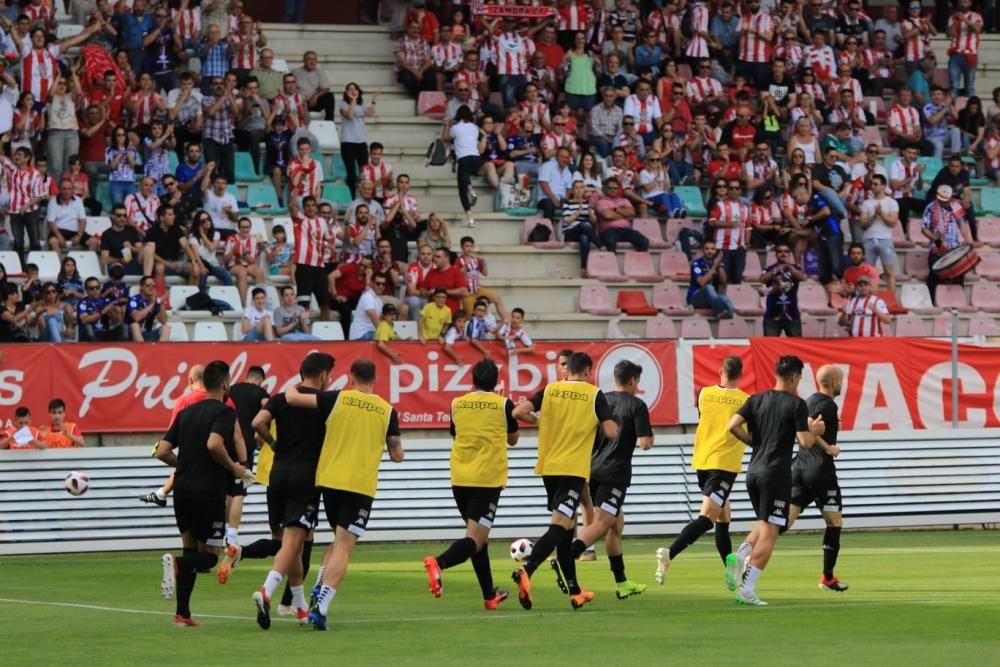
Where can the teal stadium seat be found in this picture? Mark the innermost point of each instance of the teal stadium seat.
(337, 193)
(245, 171)
(691, 197)
(234, 190)
(990, 200)
(337, 167)
(262, 198)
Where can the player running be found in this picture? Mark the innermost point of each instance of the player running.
(483, 426)
(203, 435)
(359, 424)
(718, 458)
(586, 506)
(611, 474)
(573, 410)
(814, 475)
(774, 420)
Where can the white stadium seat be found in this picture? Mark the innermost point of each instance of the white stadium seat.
(329, 331)
(11, 262)
(326, 132)
(406, 329)
(178, 332)
(229, 294)
(47, 262)
(210, 332)
(97, 225)
(87, 264)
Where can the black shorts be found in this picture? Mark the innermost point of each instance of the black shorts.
(291, 502)
(84, 237)
(816, 486)
(716, 485)
(564, 493)
(477, 503)
(236, 488)
(311, 280)
(770, 495)
(607, 496)
(348, 510)
(202, 515)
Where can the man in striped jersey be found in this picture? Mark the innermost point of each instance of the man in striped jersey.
(729, 219)
(757, 33)
(310, 240)
(964, 27)
(23, 183)
(865, 313)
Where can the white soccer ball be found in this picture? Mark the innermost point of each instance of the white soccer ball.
(521, 549)
(77, 483)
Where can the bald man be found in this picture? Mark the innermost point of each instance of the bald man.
(814, 475)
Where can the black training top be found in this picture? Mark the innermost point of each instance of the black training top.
(815, 458)
(612, 459)
(300, 434)
(773, 418)
(197, 472)
(248, 399)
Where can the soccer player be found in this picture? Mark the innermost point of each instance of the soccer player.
(359, 424)
(814, 475)
(586, 506)
(718, 458)
(774, 420)
(203, 435)
(292, 498)
(611, 473)
(573, 411)
(483, 426)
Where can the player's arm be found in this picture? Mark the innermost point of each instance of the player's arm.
(262, 426)
(832, 450)
(737, 430)
(217, 450)
(239, 443)
(393, 440)
(608, 425)
(513, 432)
(815, 427)
(643, 429)
(524, 409)
(300, 400)
(165, 452)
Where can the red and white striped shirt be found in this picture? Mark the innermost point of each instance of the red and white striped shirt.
(966, 40)
(26, 126)
(700, 87)
(23, 185)
(331, 249)
(624, 175)
(645, 112)
(901, 170)
(380, 174)
(991, 143)
(698, 46)
(39, 13)
(312, 177)
(292, 105)
(409, 203)
(142, 212)
(851, 84)
(754, 49)
(187, 22)
(537, 112)
(244, 251)
(416, 272)
(765, 215)
(38, 70)
(872, 59)
(863, 313)
(310, 241)
(145, 108)
(730, 238)
(663, 26)
(447, 56)
(793, 207)
(902, 121)
(916, 48)
(472, 266)
(821, 60)
(474, 79)
(791, 52)
(574, 17)
(842, 114)
(246, 56)
(814, 89)
(512, 53)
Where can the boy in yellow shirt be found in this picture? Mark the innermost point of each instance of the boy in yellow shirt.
(385, 332)
(434, 317)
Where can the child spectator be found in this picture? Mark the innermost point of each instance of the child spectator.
(512, 333)
(22, 434)
(454, 333)
(434, 317)
(276, 154)
(482, 325)
(59, 433)
(474, 267)
(385, 332)
(257, 319)
(31, 289)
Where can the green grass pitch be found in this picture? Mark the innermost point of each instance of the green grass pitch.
(927, 598)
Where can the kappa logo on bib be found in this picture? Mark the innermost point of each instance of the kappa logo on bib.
(651, 383)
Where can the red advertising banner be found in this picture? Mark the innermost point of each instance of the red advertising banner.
(889, 383)
(133, 387)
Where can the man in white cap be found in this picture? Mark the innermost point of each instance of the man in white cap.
(945, 225)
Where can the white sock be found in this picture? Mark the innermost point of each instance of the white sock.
(299, 597)
(325, 598)
(161, 493)
(232, 535)
(750, 578)
(744, 551)
(271, 583)
(319, 575)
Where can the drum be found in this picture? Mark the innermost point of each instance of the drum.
(956, 263)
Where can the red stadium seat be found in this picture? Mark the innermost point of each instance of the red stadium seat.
(660, 328)
(986, 297)
(915, 298)
(603, 265)
(674, 265)
(983, 326)
(696, 327)
(530, 223)
(941, 326)
(745, 299)
(639, 267)
(752, 269)
(950, 297)
(734, 328)
(914, 225)
(812, 327)
(668, 299)
(813, 299)
(596, 300)
(891, 303)
(633, 302)
(899, 238)
(650, 228)
(989, 231)
(910, 326)
(432, 104)
(989, 267)
(916, 265)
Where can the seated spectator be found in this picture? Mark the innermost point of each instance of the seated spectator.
(605, 122)
(455, 332)
(172, 253)
(22, 435)
(385, 333)
(972, 125)
(781, 305)
(361, 236)
(220, 204)
(475, 269)
(31, 288)
(830, 237)
(857, 268)
(839, 139)
(708, 282)
(958, 177)
(146, 315)
(279, 253)
(386, 266)
(366, 197)
(258, 321)
(830, 180)
(59, 433)
(268, 77)
(204, 242)
(401, 219)
(614, 219)
(347, 283)
(54, 316)
(67, 221)
(415, 274)
(864, 313)
(314, 87)
(81, 186)
(369, 309)
(99, 315)
(191, 174)
(655, 183)
(251, 124)
(445, 275)
(414, 67)
(940, 116)
(242, 257)
(578, 222)
(121, 244)
(482, 326)
(904, 125)
(559, 137)
(513, 335)
(555, 178)
(434, 317)
(291, 321)
(69, 282)
(591, 172)
(446, 56)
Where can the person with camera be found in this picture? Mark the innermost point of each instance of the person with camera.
(781, 305)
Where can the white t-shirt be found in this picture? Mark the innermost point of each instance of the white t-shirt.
(67, 218)
(646, 177)
(207, 256)
(214, 205)
(254, 316)
(878, 228)
(466, 139)
(361, 323)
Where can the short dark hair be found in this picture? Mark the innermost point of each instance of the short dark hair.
(855, 245)
(466, 239)
(256, 291)
(309, 198)
(216, 375)
(484, 375)
(22, 412)
(579, 362)
(315, 364)
(376, 146)
(460, 314)
(880, 178)
(788, 367)
(626, 371)
(565, 352)
(303, 141)
(287, 288)
(255, 371)
(520, 311)
(56, 404)
(363, 370)
(732, 367)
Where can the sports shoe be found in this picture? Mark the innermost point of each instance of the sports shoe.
(182, 622)
(560, 579)
(169, 581)
(314, 597)
(523, 581)
(662, 564)
(832, 584)
(433, 575)
(499, 595)
(153, 499)
(286, 610)
(588, 554)
(580, 599)
(302, 616)
(318, 620)
(733, 571)
(263, 608)
(628, 588)
(229, 562)
(750, 600)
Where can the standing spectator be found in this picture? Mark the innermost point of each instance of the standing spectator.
(145, 312)
(220, 109)
(214, 54)
(141, 207)
(220, 204)
(730, 218)
(291, 321)
(578, 222)
(293, 107)
(294, 12)
(475, 268)
(257, 324)
(244, 47)
(164, 50)
(708, 282)
(940, 116)
(889, 24)
(414, 67)
(314, 87)
(864, 314)
(445, 276)
(614, 219)
(964, 27)
(857, 268)
(67, 220)
(434, 316)
(277, 152)
(906, 176)
(945, 226)
(781, 305)
(957, 176)
(366, 315)
(94, 142)
(131, 26)
(24, 186)
(555, 178)
(378, 171)
(697, 45)
(514, 337)
(121, 158)
(401, 218)
(62, 128)
(311, 238)
(464, 137)
(346, 284)
(580, 85)
(830, 238)
(756, 35)
(156, 161)
(191, 174)
(59, 433)
(305, 175)
(354, 131)
(645, 109)
(605, 122)
(512, 53)
(242, 258)
(251, 124)
(879, 214)
(415, 274)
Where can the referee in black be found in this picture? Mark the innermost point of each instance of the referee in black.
(774, 420)
(203, 435)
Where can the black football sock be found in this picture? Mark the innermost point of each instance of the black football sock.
(544, 547)
(261, 548)
(723, 542)
(690, 534)
(618, 568)
(188, 566)
(578, 547)
(459, 552)
(286, 597)
(481, 564)
(567, 561)
(831, 549)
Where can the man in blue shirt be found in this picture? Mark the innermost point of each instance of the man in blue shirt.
(555, 178)
(724, 37)
(144, 311)
(939, 118)
(94, 315)
(707, 278)
(781, 306)
(830, 247)
(191, 172)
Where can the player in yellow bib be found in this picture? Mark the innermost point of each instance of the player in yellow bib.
(570, 412)
(718, 458)
(483, 426)
(359, 425)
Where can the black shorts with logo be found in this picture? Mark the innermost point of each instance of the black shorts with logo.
(564, 493)
(348, 510)
(716, 485)
(770, 495)
(311, 280)
(201, 514)
(816, 486)
(607, 496)
(477, 503)
(292, 502)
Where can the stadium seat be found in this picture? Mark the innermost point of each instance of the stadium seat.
(639, 266)
(941, 326)
(752, 269)
(917, 299)
(660, 328)
(234, 190)
(406, 330)
(813, 299)
(228, 294)
(328, 331)
(97, 225)
(615, 330)
(916, 265)
(650, 228)
(891, 303)
(745, 299)
(47, 262)
(259, 229)
(596, 300)
(262, 198)
(986, 297)
(983, 326)
(67, 30)
(960, 102)
(732, 328)
(603, 265)
(87, 264)
(916, 236)
(910, 326)
(932, 165)
(989, 199)
(691, 198)
(177, 297)
(812, 327)
(989, 267)
(674, 265)
(872, 135)
(633, 302)
(668, 299)
(684, 70)
(273, 300)
(280, 65)
(210, 332)
(696, 327)
(833, 329)
(338, 169)
(433, 104)
(948, 297)
(530, 223)
(245, 168)
(989, 230)
(178, 332)
(11, 263)
(338, 194)
(899, 238)
(673, 229)
(326, 132)
(103, 195)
